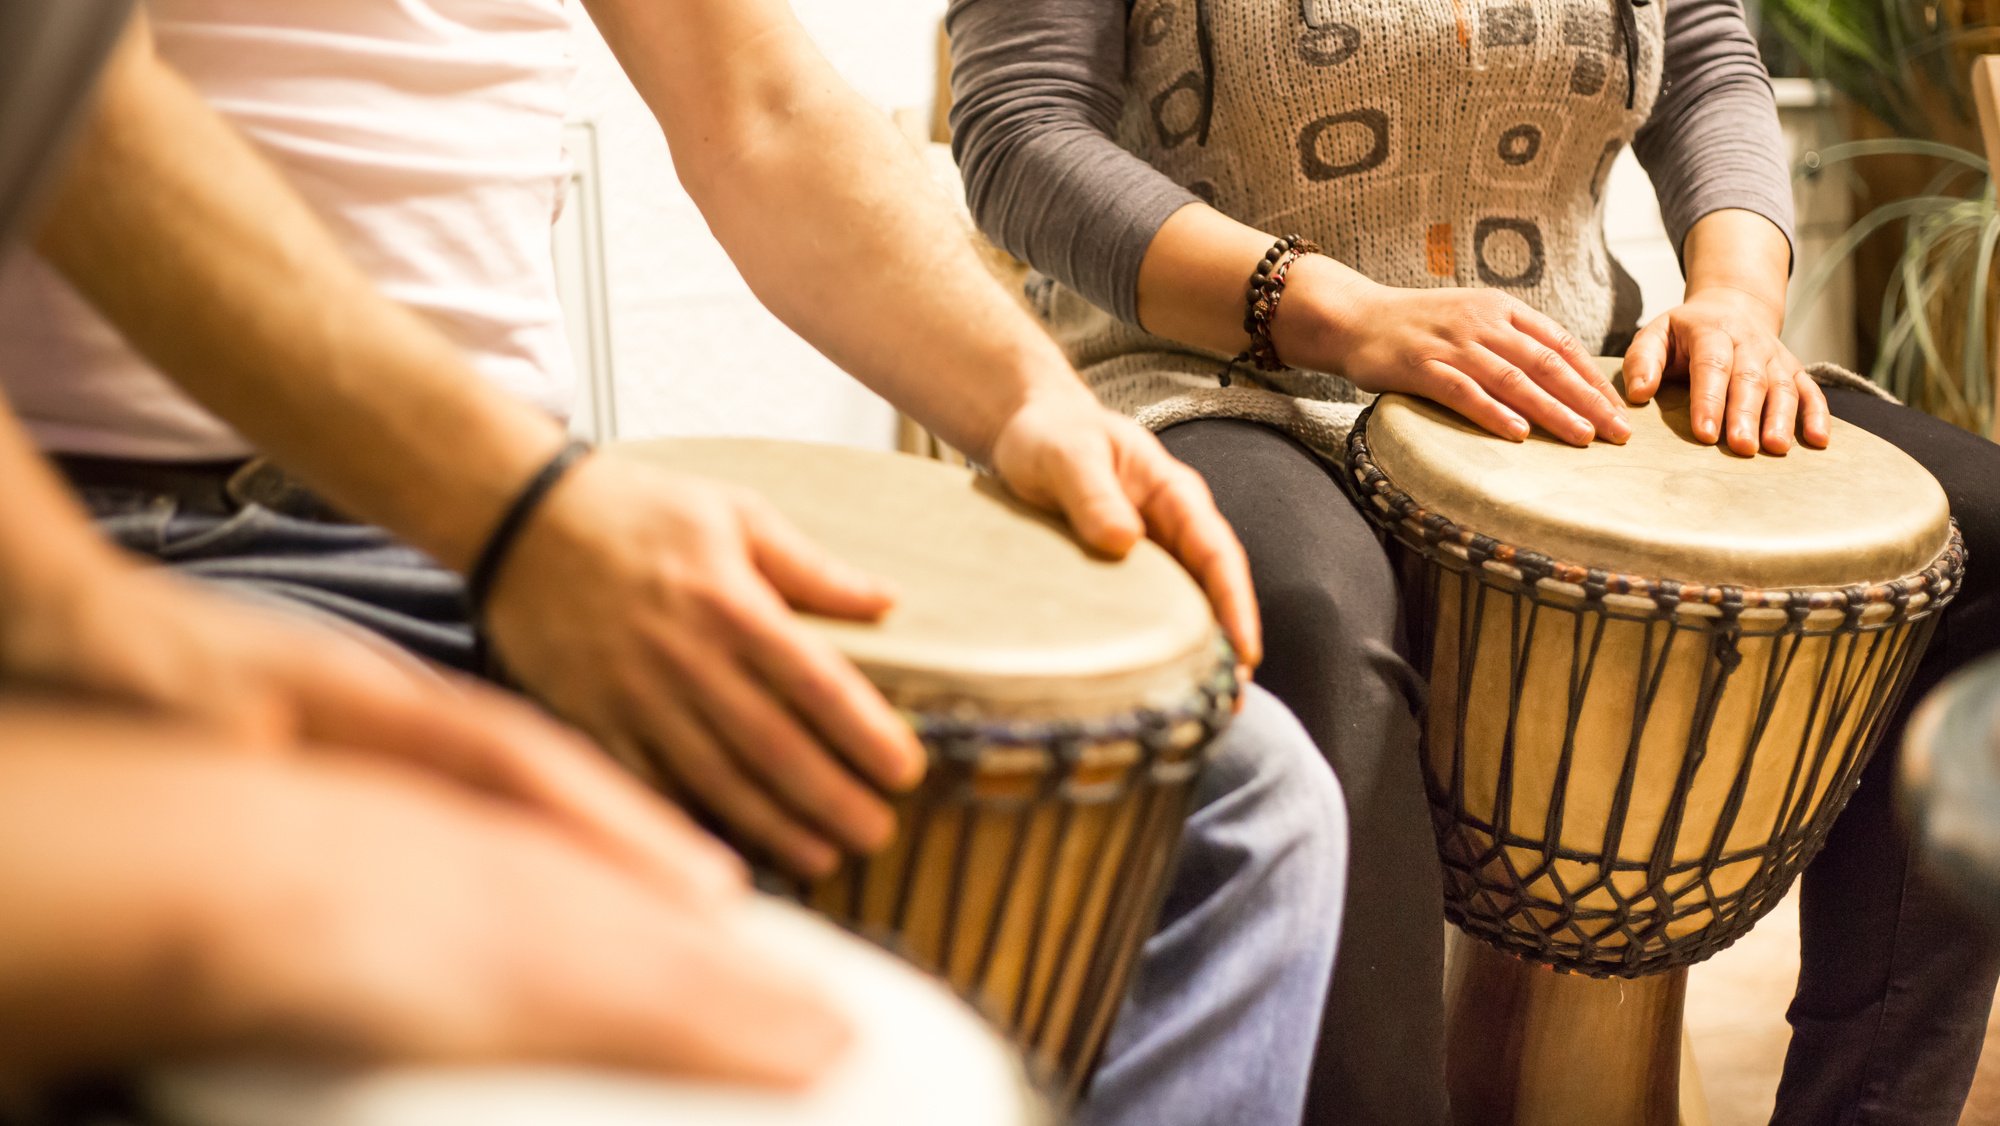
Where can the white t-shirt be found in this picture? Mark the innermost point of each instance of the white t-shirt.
(427, 134)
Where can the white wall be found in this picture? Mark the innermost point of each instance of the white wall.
(693, 351)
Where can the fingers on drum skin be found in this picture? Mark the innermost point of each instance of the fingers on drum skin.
(1514, 387)
(1815, 420)
(1081, 472)
(682, 749)
(697, 994)
(779, 754)
(1711, 359)
(592, 966)
(1554, 359)
(832, 696)
(1748, 387)
(1646, 362)
(1455, 389)
(1181, 514)
(492, 742)
(1781, 412)
(808, 576)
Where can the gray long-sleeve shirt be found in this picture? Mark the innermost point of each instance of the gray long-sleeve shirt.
(1039, 86)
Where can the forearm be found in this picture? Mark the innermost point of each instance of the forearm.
(209, 264)
(1740, 251)
(830, 215)
(1038, 87)
(1197, 271)
(1713, 140)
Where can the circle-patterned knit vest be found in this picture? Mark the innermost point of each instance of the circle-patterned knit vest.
(1423, 142)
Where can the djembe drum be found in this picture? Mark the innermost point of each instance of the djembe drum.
(1066, 701)
(1656, 671)
(919, 1058)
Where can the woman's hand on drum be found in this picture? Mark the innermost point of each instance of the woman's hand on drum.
(175, 898)
(657, 612)
(140, 639)
(1724, 342)
(1484, 354)
(1114, 482)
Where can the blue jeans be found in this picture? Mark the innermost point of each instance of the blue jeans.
(1224, 1008)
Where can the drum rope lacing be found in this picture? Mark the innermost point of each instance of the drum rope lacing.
(1526, 907)
(949, 814)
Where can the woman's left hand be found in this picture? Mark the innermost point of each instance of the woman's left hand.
(1724, 341)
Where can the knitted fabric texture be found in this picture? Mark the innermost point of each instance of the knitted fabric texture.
(1425, 143)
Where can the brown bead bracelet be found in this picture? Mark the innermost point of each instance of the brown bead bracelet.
(1267, 288)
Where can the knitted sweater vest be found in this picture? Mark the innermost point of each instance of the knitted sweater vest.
(1423, 142)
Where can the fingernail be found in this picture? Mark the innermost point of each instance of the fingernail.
(1517, 428)
(1618, 429)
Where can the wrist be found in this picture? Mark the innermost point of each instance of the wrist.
(1323, 314)
(1037, 381)
(1748, 297)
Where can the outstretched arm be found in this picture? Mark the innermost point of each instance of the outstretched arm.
(833, 221)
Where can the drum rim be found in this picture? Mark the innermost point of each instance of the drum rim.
(1208, 702)
(1390, 507)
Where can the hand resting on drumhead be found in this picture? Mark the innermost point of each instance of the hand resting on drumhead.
(1114, 482)
(80, 620)
(169, 895)
(1481, 352)
(1723, 339)
(655, 611)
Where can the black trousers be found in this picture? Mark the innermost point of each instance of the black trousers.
(1895, 985)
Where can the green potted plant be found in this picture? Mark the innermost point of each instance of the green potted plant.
(1925, 244)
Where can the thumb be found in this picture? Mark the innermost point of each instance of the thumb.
(1646, 362)
(1089, 493)
(808, 576)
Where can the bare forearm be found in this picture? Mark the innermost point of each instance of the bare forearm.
(209, 263)
(1742, 251)
(830, 214)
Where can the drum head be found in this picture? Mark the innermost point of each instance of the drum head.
(997, 604)
(1664, 505)
(920, 1057)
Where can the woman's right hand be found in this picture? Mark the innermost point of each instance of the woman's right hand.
(1481, 352)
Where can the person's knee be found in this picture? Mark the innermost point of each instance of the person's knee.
(1268, 801)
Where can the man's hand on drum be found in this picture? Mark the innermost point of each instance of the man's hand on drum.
(1115, 483)
(172, 894)
(1484, 354)
(656, 612)
(1744, 385)
(79, 621)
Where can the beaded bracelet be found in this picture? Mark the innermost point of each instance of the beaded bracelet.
(1267, 288)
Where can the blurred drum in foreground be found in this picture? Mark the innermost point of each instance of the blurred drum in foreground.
(920, 1058)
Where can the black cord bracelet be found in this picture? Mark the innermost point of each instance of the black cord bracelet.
(486, 569)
